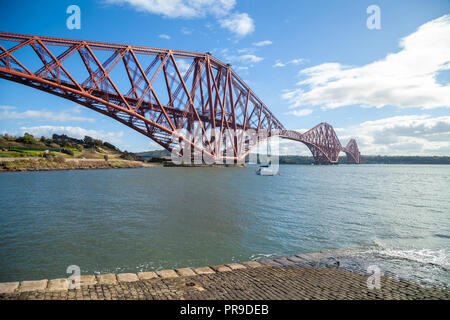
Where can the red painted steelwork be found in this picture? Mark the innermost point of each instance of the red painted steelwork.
(159, 93)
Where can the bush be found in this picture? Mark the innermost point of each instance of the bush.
(130, 156)
(49, 156)
(109, 146)
(67, 151)
(27, 138)
(60, 159)
(48, 142)
(105, 157)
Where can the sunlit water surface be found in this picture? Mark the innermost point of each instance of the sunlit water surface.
(132, 220)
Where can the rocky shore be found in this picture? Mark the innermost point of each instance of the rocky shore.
(303, 276)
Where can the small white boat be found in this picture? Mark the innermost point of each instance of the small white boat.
(266, 171)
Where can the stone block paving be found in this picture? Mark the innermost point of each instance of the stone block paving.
(244, 282)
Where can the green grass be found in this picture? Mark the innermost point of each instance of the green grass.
(20, 153)
(117, 163)
(24, 152)
(10, 154)
(35, 153)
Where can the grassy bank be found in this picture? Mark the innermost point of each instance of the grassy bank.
(61, 146)
(47, 165)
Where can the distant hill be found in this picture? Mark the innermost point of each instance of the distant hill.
(307, 160)
(404, 159)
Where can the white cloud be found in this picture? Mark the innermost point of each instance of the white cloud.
(238, 60)
(420, 135)
(279, 64)
(74, 132)
(401, 135)
(245, 50)
(403, 79)
(296, 61)
(243, 56)
(262, 43)
(9, 112)
(186, 31)
(246, 58)
(7, 107)
(250, 58)
(239, 23)
(183, 66)
(300, 113)
(164, 36)
(181, 8)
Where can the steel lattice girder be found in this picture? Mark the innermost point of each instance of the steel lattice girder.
(160, 93)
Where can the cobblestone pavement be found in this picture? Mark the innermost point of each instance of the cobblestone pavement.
(265, 283)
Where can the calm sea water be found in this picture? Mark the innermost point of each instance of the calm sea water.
(131, 220)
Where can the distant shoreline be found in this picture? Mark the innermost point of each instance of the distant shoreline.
(161, 155)
(42, 164)
(365, 159)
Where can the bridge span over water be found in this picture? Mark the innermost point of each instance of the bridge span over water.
(161, 93)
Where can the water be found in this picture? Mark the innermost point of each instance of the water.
(132, 220)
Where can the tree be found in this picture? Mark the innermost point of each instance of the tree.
(87, 139)
(109, 146)
(88, 142)
(27, 138)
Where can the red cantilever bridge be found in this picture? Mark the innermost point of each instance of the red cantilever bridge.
(160, 93)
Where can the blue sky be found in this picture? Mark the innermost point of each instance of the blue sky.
(309, 61)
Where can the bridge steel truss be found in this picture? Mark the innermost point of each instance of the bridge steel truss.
(164, 94)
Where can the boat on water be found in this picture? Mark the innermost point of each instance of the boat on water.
(267, 171)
